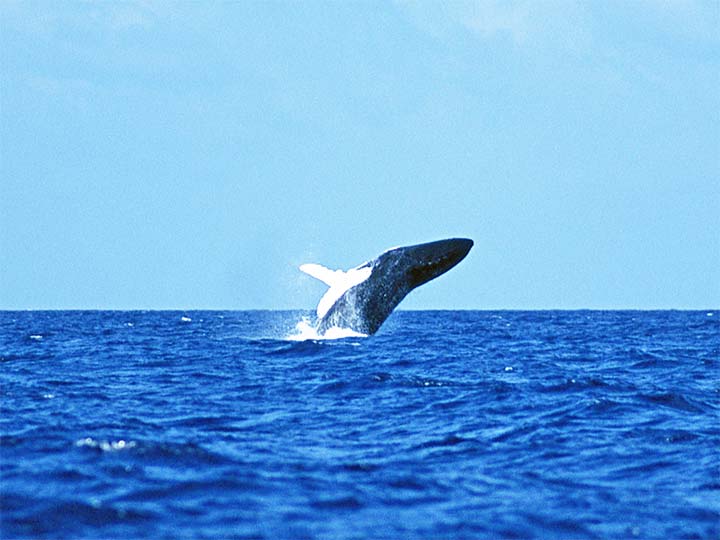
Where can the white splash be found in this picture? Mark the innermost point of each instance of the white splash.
(306, 331)
(36, 337)
(185, 319)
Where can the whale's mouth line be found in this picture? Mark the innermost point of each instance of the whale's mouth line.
(430, 268)
(436, 262)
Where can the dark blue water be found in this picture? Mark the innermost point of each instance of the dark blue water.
(444, 425)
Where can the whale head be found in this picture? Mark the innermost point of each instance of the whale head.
(416, 265)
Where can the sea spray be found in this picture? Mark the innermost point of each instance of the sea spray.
(305, 330)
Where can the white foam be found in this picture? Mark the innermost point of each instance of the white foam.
(106, 446)
(306, 331)
(185, 319)
(36, 337)
(338, 333)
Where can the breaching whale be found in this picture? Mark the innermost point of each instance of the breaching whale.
(363, 297)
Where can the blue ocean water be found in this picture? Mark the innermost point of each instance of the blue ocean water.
(446, 424)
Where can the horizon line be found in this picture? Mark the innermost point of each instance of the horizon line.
(5, 310)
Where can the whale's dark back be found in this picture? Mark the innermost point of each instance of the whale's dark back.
(364, 307)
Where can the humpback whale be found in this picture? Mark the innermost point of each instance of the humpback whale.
(362, 298)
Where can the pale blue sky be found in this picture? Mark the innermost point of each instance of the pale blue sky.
(193, 154)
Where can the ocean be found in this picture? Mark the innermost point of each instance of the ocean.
(445, 424)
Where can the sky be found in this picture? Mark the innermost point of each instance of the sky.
(181, 155)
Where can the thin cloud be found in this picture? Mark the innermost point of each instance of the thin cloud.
(557, 24)
(564, 25)
(50, 18)
(522, 23)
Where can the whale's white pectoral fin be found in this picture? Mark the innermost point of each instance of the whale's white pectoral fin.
(337, 280)
(318, 271)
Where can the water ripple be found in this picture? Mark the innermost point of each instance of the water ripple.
(444, 424)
